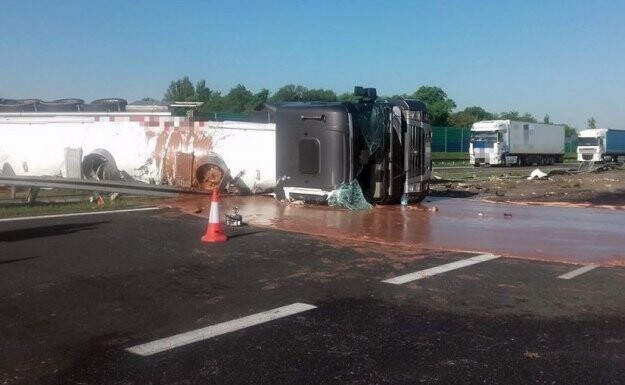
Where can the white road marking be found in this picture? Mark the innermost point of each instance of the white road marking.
(580, 271)
(440, 269)
(77, 214)
(218, 329)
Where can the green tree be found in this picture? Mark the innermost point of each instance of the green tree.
(259, 98)
(592, 124)
(347, 97)
(569, 131)
(319, 95)
(515, 115)
(546, 119)
(289, 93)
(469, 116)
(439, 105)
(239, 99)
(215, 103)
(180, 90)
(202, 93)
(479, 113)
(461, 119)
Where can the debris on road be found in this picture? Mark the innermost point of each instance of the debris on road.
(531, 355)
(596, 188)
(537, 174)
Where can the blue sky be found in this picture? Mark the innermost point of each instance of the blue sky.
(562, 58)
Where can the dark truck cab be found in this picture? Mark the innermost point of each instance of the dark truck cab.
(384, 147)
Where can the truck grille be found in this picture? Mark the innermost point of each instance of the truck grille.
(417, 147)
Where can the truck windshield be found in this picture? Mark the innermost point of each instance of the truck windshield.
(587, 141)
(484, 136)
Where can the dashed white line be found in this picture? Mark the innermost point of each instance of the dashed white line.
(440, 269)
(217, 329)
(580, 271)
(77, 214)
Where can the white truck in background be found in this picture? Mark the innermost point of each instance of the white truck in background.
(509, 142)
(600, 145)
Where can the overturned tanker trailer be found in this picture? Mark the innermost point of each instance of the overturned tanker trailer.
(353, 154)
(134, 144)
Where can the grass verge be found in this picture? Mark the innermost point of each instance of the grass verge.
(23, 209)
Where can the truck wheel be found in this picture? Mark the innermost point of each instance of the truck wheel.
(100, 165)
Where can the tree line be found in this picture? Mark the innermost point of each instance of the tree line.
(240, 99)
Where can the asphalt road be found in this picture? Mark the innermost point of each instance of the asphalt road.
(76, 293)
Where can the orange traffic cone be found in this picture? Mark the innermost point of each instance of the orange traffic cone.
(214, 231)
(100, 201)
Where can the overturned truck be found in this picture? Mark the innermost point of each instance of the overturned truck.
(110, 140)
(353, 154)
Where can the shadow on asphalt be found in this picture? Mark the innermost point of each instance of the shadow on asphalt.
(18, 260)
(245, 234)
(47, 231)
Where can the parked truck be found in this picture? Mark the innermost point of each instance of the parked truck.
(382, 148)
(509, 142)
(600, 145)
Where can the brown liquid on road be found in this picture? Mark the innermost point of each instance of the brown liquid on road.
(576, 235)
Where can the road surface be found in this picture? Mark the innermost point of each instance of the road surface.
(136, 298)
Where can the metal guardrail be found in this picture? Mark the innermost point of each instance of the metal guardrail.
(100, 186)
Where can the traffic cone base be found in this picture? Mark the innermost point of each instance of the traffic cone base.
(214, 231)
(214, 234)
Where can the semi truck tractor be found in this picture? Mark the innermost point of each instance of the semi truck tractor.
(382, 148)
(600, 145)
(509, 142)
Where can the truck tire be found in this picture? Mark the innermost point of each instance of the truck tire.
(100, 165)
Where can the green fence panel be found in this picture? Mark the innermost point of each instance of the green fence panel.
(221, 116)
(450, 139)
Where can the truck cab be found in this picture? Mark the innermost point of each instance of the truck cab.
(377, 150)
(600, 145)
(488, 144)
(590, 145)
(510, 142)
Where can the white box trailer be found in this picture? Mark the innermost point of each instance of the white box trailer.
(509, 142)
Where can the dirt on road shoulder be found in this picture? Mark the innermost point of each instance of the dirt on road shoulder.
(604, 187)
